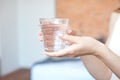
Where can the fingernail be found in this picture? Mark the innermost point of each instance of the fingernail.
(69, 31)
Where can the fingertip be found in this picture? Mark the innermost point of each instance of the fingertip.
(53, 54)
(40, 34)
(69, 38)
(41, 39)
(69, 31)
(48, 53)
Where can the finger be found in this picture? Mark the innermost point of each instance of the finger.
(70, 38)
(41, 39)
(51, 54)
(55, 54)
(71, 32)
(62, 53)
(40, 33)
(74, 32)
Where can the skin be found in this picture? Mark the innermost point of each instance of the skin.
(97, 58)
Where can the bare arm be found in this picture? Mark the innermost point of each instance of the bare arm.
(96, 67)
(110, 59)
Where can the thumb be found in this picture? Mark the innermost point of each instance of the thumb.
(69, 38)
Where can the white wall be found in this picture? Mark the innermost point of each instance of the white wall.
(29, 12)
(9, 36)
(0, 41)
(19, 20)
(0, 27)
(0, 45)
(0, 50)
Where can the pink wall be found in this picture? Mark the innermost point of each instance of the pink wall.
(91, 17)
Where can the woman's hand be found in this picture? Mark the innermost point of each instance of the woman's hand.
(79, 46)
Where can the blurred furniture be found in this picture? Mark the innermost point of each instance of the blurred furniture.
(61, 69)
(0, 66)
(21, 74)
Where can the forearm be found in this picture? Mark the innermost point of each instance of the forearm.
(96, 67)
(109, 59)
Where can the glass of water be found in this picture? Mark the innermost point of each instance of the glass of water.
(52, 29)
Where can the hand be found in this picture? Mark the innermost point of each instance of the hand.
(79, 46)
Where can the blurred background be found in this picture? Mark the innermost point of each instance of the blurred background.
(19, 19)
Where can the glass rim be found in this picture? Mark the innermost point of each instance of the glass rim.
(54, 19)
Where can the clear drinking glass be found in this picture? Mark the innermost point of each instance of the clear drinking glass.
(52, 29)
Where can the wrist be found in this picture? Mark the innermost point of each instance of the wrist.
(100, 49)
